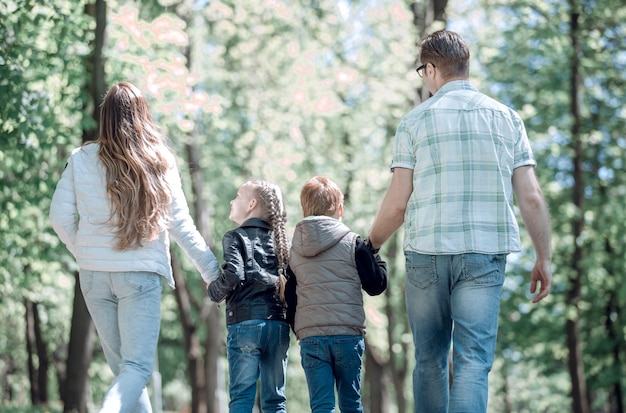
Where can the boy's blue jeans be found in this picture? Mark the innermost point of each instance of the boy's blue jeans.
(257, 348)
(330, 359)
(126, 310)
(453, 298)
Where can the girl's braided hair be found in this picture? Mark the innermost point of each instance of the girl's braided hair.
(274, 211)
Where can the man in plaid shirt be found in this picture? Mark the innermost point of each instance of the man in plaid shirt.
(459, 158)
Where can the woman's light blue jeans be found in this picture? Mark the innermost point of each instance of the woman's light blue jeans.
(453, 298)
(327, 360)
(257, 348)
(126, 310)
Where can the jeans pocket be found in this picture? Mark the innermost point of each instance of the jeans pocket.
(349, 351)
(310, 353)
(245, 338)
(421, 271)
(484, 269)
(142, 281)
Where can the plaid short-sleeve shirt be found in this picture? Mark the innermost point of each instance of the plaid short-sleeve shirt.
(462, 147)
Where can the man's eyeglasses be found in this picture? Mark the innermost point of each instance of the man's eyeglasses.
(420, 69)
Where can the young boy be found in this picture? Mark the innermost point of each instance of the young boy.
(331, 264)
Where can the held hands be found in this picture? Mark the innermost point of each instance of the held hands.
(369, 245)
(541, 275)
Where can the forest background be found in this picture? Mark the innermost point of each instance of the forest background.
(284, 90)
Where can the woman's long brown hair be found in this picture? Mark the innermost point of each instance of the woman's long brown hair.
(136, 160)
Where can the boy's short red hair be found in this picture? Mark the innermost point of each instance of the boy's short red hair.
(320, 196)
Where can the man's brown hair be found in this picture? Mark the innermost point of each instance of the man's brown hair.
(447, 51)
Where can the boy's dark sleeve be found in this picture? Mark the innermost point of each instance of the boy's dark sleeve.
(291, 299)
(372, 269)
(232, 269)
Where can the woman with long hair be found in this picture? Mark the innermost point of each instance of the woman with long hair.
(117, 203)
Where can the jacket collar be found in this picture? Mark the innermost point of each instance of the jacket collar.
(256, 222)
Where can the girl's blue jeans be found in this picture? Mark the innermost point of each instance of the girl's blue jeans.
(453, 299)
(257, 348)
(330, 360)
(126, 310)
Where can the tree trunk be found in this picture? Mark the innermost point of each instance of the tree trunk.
(428, 16)
(398, 363)
(75, 394)
(30, 344)
(205, 368)
(616, 394)
(214, 361)
(203, 363)
(42, 356)
(95, 77)
(580, 401)
(378, 380)
(615, 402)
(206, 397)
(37, 357)
(80, 348)
(193, 348)
(506, 391)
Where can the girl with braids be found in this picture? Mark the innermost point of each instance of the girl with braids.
(256, 256)
(331, 265)
(115, 206)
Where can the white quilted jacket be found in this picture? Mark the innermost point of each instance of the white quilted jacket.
(80, 214)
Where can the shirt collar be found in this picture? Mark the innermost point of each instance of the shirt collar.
(456, 85)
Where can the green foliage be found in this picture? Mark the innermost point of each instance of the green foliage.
(32, 409)
(266, 96)
(527, 59)
(306, 90)
(41, 49)
(317, 87)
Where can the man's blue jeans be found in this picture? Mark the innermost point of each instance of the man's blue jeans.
(126, 310)
(258, 348)
(330, 359)
(453, 298)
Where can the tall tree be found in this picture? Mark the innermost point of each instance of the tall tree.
(39, 67)
(580, 401)
(202, 345)
(428, 16)
(38, 359)
(80, 348)
(310, 89)
(75, 388)
(556, 63)
(168, 34)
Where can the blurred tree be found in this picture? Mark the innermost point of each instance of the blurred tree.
(286, 91)
(580, 400)
(163, 73)
(561, 65)
(75, 393)
(36, 347)
(40, 71)
(313, 88)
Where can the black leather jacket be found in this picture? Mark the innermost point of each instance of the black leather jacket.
(249, 285)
